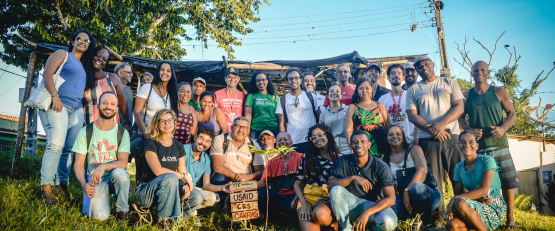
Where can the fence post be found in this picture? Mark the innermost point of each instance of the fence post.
(22, 113)
(32, 124)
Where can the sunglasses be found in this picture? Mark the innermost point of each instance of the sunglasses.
(79, 39)
(317, 136)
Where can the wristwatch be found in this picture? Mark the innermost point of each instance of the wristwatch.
(406, 189)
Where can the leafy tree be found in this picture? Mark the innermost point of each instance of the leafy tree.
(147, 28)
(507, 78)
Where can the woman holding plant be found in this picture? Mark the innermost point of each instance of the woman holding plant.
(314, 208)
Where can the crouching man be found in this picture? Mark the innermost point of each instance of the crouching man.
(105, 145)
(280, 175)
(362, 189)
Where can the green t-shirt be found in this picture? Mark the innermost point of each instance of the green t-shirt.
(263, 111)
(102, 148)
(196, 106)
(472, 179)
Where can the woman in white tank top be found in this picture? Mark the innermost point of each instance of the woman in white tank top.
(417, 197)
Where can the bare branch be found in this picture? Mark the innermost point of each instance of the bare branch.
(462, 65)
(485, 48)
(155, 22)
(508, 64)
(537, 84)
(466, 52)
(464, 57)
(60, 15)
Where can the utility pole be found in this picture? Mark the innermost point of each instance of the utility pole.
(32, 123)
(438, 6)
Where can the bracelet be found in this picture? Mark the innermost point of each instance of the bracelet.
(54, 96)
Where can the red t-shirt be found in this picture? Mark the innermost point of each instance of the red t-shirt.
(275, 170)
(346, 95)
(230, 103)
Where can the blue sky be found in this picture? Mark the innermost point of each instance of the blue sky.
(375, 25)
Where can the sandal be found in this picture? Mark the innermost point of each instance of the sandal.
(513, 227)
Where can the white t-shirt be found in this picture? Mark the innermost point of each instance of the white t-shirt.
(300, 116)
(154, 104)
(400, 117)
(319, 101)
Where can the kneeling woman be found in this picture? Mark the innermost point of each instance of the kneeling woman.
(417, 197)
(482, 207)
(314, 207)
(164, 179)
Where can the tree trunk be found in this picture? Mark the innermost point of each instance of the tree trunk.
(22, 113)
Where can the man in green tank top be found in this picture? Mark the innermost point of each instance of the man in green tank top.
(484, 105)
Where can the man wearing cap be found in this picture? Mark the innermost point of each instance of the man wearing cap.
(343, 74)
(229, 99)
(280, 175)
(267, 142)
(410, 75)
(372, 73)
(434, 105)
(199, 86)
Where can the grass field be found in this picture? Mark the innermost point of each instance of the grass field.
(21, 208)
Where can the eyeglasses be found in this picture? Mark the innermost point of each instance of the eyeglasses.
(239, 127)
(261, 80)
(343, 72)
(291, 79)
(318, 136)
(79, 39)
(168, 121)
(232, 77)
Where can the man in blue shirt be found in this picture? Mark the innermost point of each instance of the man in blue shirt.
(362, 188)
(199, 166)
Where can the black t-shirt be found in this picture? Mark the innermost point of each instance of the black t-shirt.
(168, 157)
(376, 171)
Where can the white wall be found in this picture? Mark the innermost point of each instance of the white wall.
(526, 154)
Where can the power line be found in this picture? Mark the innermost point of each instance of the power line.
(332, 19)
(10, 87)
(11, 73)
(348, 12)
(333, 32)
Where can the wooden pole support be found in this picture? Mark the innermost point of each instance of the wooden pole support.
(243, 89)
(25, 40)
(22, 113)
(112, 52)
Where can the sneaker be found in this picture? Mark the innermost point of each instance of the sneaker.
(196, 221)
(47, 194)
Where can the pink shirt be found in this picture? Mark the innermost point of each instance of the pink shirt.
(346, 95)
(230, 103)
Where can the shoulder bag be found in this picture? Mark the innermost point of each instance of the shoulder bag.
(405, 175)
(40, 98)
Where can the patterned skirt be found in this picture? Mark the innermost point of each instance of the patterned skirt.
(492, 214)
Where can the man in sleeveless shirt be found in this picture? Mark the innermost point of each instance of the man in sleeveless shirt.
(434, 106)
(484, 106)
(230, 99)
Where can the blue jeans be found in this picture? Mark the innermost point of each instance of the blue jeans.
(347, 207)
(61, 130)
(278, 203)
(423, 200)
(164, 191)
(219, 179)
(118, 184)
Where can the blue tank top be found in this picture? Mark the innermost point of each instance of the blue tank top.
(71, 91)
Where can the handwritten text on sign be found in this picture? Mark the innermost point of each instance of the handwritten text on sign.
(245, 215)
(244, 196)
(244, 206)
(243, 186)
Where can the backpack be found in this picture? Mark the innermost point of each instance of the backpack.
(90, 130)
(226, 144)
(310, 98)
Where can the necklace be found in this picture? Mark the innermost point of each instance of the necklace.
(395, 110)
(164, 99)
(232, 113)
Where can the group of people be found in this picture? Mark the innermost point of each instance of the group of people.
(363, 153)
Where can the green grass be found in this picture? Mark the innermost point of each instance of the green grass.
(21, 208)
